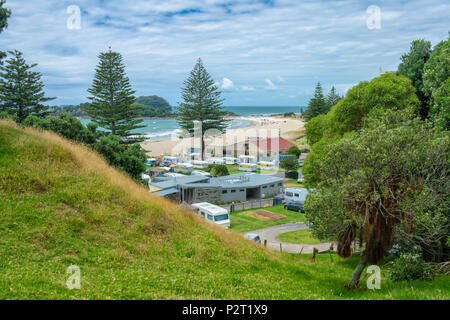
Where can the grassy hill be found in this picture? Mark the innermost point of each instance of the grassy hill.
(62, 205)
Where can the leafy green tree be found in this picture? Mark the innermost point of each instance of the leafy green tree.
(289, 163)
(295, 151)
(130, 159)
(112, 97)
(21, 90)
(440, 110)
(220, 170)
(370, 182)
(155, 102)
(437, 68)
(317, 105)
(412, 67)
(316, 128)
(201, 102)
(332, 99)
(4, 15)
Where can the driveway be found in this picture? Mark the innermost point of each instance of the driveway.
(270, 234)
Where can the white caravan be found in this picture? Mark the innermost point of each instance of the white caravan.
(214, 160)
(250, 167)
(213, 213)
(198, 164)
(247, 159)
(297, 195)
(266, 165)
(230, 160)
(185, 168)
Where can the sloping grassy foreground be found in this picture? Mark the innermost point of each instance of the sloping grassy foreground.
(62, 205)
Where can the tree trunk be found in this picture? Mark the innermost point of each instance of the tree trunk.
(203, 148)
(358, 271)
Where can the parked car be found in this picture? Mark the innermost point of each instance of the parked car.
(294, 206)
(253, 236)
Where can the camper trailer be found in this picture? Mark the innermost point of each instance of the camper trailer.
(295, 195)
(230, 160)
(193, 157)
(247, 159)
(251, 167)
(198, 164)
(266, 165)
(185, 168)
(169, 159)
(152, 162)
(214, 160)
(213, 213)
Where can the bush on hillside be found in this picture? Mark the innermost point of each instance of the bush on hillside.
(410, 266)
(220, 170)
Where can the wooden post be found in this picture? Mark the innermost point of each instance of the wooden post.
(281, 248)
(265, 243)
(314, 254)
(301, 250)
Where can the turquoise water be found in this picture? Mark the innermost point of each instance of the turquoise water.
(162, 129)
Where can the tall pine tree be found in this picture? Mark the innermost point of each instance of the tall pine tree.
(112, 98)
(317, 105)
(332, 99)
(21, 90)
(4, 15)
(201, 102)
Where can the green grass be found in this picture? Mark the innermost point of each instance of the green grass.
(303, 236)
(241, 222)
(62, 205)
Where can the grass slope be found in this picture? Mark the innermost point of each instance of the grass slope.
(62, 205)
(302, 236)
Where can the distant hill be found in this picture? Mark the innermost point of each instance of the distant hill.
(152, 106)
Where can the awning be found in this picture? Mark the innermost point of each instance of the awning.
(166, 192)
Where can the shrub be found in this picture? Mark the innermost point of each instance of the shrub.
(410, 266)
(220, 170)
(294, 150)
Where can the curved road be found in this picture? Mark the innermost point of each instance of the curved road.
(270, 234)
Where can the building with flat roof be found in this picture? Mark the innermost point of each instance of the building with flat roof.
(238, 187)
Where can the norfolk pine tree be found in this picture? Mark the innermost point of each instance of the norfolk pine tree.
(112, 97)
(21, 90)
(201, 102)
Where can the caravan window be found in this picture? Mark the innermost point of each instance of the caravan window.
(289, 194)
(210, 217)
(202, 213)
(222, 217)
(297, 195)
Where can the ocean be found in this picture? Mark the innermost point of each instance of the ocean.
(156, 129)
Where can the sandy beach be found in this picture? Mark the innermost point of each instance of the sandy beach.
(288, 128)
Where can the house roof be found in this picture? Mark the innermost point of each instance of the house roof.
(170, 182)
(269, 144)
(245, 180)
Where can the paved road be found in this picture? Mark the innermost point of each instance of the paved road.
(270, 234)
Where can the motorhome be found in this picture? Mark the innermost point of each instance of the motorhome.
(295, 195)
(170, 159)
(193, 157)
(230, 160)
(251, 167)
(152, 162)
(214, 160)
(247, 159)
(266, 165)
(213, 213)
(198, 164)
(185, 168)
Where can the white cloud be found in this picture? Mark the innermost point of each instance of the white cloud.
(248, 88)
(270, 85)
(227, 84)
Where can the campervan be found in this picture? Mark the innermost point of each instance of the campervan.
(266, 165)
(230, 160)
(214, 160)
(247, 159)
(185, 168)
(170, 159)
(198, 164)
(251, 167)
(152, 162)
(295, 195)
(213, 213)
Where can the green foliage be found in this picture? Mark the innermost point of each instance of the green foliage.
(408, 267)
(201, 102)
(220, 170)
(289, 164)
(21, 90)
(440, 109)
(149, 111)
(332, 99)
(412, 67)
(366, 184)
(76, 111)
(316, 128)
(437, 68)
(317, 105)
(127, 158)
(155, 102)
(112, 97)
(4, 15)
(294, 150)
(67, 126)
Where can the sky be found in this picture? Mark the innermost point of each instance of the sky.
(260, 52)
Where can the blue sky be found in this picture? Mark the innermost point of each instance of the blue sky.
(261, 53)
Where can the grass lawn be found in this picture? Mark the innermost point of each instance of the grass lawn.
(299, 236)
(242, 222)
